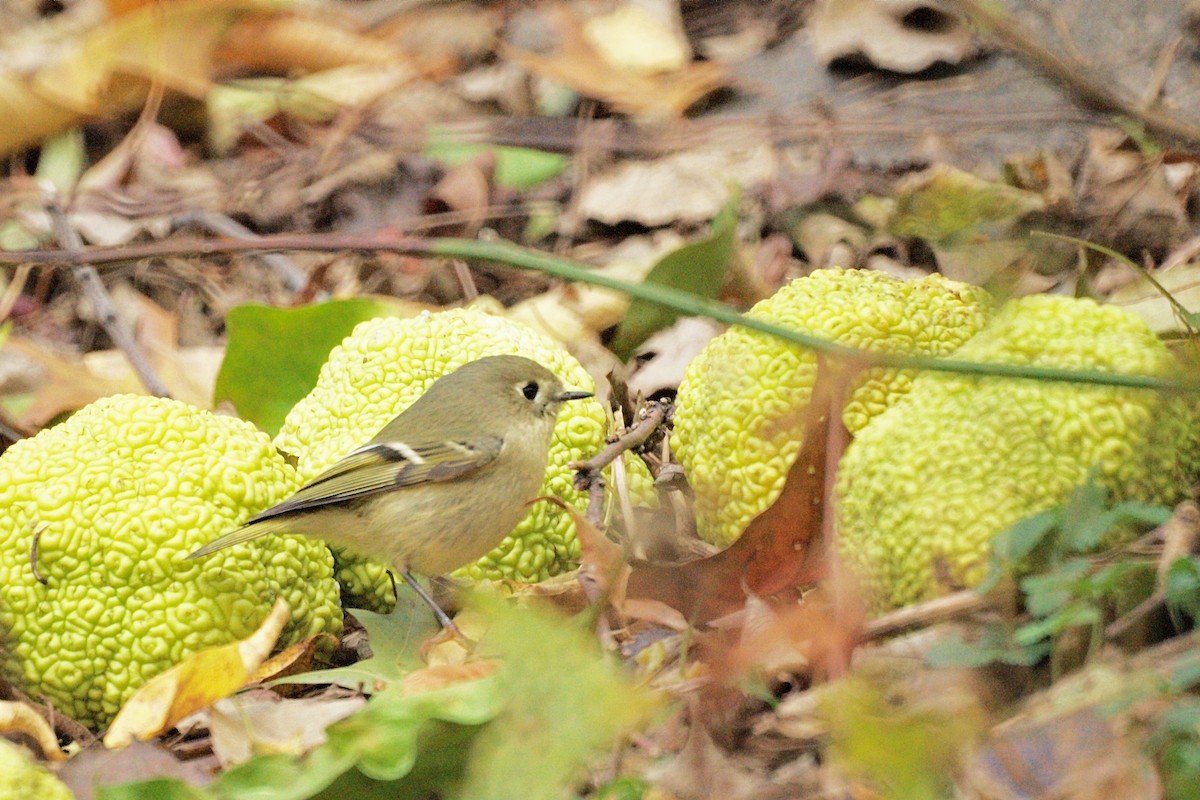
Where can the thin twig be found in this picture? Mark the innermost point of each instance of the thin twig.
(106, 312)
(952, 606)
(588, 474)
(294, 278)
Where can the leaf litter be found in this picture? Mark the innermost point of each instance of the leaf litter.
(753, 672)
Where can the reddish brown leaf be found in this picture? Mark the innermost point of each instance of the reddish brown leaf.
(780, 549)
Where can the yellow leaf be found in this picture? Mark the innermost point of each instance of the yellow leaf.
(576, 63)
(195, 683)
(20, 718)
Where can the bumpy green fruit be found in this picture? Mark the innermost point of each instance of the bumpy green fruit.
(923, 489)
(740, 418)
(96, 516)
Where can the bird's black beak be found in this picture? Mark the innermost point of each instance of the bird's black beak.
(563, 397)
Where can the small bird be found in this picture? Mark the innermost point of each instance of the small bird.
(442, 483)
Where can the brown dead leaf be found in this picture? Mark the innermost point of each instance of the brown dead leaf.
(96, 767)
(18, 717)
(464, 192)
(189, 373)
(703, 770)
(1072, 757)
(295, 42)
(300, 657)
(779, 550)
(177, 45)
(195, 683)
(64, 384)
(1127, 197)
(659, 96)
(889, 34)
(814, 637)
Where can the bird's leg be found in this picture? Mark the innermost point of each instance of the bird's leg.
(442, 617)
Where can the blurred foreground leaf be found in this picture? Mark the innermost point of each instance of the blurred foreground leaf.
(565, 703)
(525, 731)
(901, 732)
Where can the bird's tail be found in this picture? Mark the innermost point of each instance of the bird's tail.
(242, 534)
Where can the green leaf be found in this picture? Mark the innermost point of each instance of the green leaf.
(62, 160)
(900, 745)
(1050, 591)
(395, 641)
(1136, 512)
(1181, 587)
(566, 702)
(1084, 523)
(384, 737)
(157, 789)
(281, 777)
(1016, 542)
(994, 645)
(698, 267)
(1187, 673)
(274, 354)
(1078, 614)
(949, 206)
(517, 168)
(1176, 738)
(376, 750)
(623, 788)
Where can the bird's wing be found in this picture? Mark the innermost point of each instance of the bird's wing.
(372, 468)
(382, 466)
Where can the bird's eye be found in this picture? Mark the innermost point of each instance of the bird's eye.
(529, 391)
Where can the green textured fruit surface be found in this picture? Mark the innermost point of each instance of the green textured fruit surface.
(23, 779)
(922, 490)
(739, 418)
(381, 369)
(106, 505)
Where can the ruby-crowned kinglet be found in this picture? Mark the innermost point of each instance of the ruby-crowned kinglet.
(441, 484)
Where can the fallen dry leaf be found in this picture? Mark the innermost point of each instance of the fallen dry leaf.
(660, 96)
(1073, 757)
(244, 727)
(195, 683)
(295, 42)
(779, 550)
(1143, 299)
(17, 717)
(62, 385)
(633, 39)
(96, 767)
(293, 660)
(894, 35)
